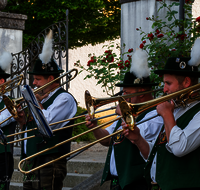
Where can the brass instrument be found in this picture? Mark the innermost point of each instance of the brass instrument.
(96, 103)
(182, 98)
(93, 103)
(12, 105)
(11, 84)
(55, 130)
(129, 111)
(68, 140)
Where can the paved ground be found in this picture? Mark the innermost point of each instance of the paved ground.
(96, 153)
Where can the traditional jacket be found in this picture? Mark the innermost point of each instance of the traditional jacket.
(174, 172)
(129, 163)
(38, 143)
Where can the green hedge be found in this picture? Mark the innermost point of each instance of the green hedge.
(82, 128)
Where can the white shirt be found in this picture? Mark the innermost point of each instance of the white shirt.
(63, 107)
(5, 114)
(149, 131)
(181, 142)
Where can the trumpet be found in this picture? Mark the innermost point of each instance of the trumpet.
(129, 111)
(12, 105)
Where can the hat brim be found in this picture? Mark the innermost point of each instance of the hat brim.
(178, 72)
(136, 85)
(45, 73)
(4, 75)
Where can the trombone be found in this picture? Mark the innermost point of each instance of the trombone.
(128, 112)
(10, 85)
(12, 105)
(91, 102)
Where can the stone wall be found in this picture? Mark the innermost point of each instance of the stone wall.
(11, 32)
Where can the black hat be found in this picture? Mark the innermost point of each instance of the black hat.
(184, 66)
(50, 68)
(5, 63)
(46, 65)
(130, 80)
(179, 66)
(139, 72)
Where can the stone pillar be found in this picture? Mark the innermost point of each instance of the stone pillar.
(11, 31)
(133, 15)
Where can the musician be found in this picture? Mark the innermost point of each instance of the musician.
(8, 127)
(173, 158)
(124, 165)
(56, 105)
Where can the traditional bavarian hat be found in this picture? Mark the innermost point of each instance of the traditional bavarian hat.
(184, 66)
(5, 63)
(46, 65)
(139, 72)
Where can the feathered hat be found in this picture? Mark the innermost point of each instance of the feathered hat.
(185, 66)
(5, 63)
(139, 72)
(46, 65)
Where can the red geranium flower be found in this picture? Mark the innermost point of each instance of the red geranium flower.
(173, 49)
(89, 62)
(144, 42)
(130, 50)
(150, 36)
(160, 35)
(198, 19)
(141, 45)
(137, 28)
(157, 31)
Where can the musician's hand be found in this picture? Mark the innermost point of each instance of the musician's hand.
(118, 111)
(165, 109)
(21, 117)
(90, 124)
(41, 97)
(132, 135)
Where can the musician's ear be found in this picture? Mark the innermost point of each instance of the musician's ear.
(187, 82)
(2, 80)
(50, 78)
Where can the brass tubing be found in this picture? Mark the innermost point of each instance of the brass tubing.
(22, 132)
(90, 130)
(6, 120)
(93, 103)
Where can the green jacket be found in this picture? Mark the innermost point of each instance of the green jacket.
(129, 163)
(38, 143)
(174, 172)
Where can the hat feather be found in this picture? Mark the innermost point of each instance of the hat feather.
(139, 65)
(5, 60)
(195, 54)
(47, 49)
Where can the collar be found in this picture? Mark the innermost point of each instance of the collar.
(1, 97)
(50, 94)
